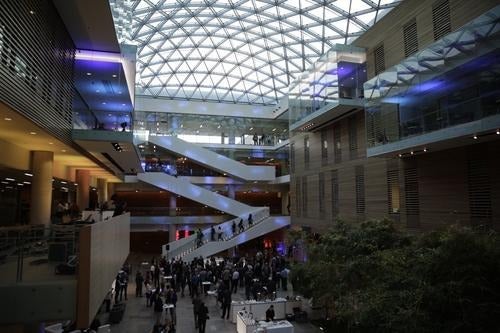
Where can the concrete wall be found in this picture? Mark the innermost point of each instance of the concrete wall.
(104, 247)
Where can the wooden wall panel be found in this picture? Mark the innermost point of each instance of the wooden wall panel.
(104, 247)
(389, 30)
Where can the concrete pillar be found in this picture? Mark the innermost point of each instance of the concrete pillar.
(232, 138)
(111, 189)
(231, 191)
(41, 187)
(172, 206)
(82, 194)
(285, 197)
(102, 190)
(172, 228)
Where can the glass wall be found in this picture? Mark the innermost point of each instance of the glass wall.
(213, 129)
(338, 74)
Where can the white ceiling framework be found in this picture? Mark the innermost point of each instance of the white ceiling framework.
(239, 51)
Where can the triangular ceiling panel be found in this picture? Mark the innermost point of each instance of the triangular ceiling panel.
(263, 40)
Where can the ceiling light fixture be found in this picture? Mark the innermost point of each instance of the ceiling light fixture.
(88, 73)
(33, 133)
(28, 174)
(63, 150)
(498, 132)
(7, 118)
(10, 179)
(114, 75)
(474, 137)
(51, 143)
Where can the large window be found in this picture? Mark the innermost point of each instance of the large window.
(306, 152)
(393, 193)
(324, 147)
(321, 194)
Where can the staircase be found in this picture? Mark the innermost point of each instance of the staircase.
(187, 250)
(182, 187)
(213, 160)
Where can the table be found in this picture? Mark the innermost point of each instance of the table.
(259, 308)
(281, 326)
(244, 324)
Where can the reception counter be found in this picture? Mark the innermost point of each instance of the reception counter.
(258, 309)
(245, 324)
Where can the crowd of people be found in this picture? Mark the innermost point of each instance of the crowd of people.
(259, 277)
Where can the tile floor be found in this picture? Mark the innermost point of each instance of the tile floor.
(139, 319)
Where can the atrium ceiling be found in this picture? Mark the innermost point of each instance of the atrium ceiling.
(236, 51)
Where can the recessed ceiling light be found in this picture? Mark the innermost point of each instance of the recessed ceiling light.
(114, 75)
(120, 92)
(51, 143)
(123, 104)
(103, 103)
(88, 73)
(10, 179)
(109, 114)
(7, 118)
(28, 174)
(33, 133)
(97, 91)
(63, 150)
(32, 12)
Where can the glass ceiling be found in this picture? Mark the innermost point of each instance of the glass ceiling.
(245, 51)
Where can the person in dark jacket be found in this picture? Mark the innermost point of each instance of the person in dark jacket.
(196, 308)
(226, 303)
(139, 280)
(202, 317)
(270, 313)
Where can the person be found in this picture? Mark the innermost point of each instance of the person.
(263, 139)
(59, 212)
(250, 220)
(226, 303)
(139, 279)
(284, 278)
(240, 226)
(158, 309)
(149, 293)
(212, 234)
(270, 313)
(202, 317)
(196, 307)
(234, 281)
(219, 238)
(255, 139)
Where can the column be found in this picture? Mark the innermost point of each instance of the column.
(172, 206)
(82, 194)
(111, 190)
(285, 200)
(172, 229)
(102, 190)
(41, 187)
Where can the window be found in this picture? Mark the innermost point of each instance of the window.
(304, 196)
(379, 59)
(297, 197)
(306, 152)
(353, 138)
(393, 193)
(335, 194)
(411, 192)
(324, 148)
(360, 190)
(337, 151)
(410, 37)
(479, 185)
(321, 194)
(441, 19)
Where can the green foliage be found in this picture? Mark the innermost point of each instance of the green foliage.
(374, 278)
